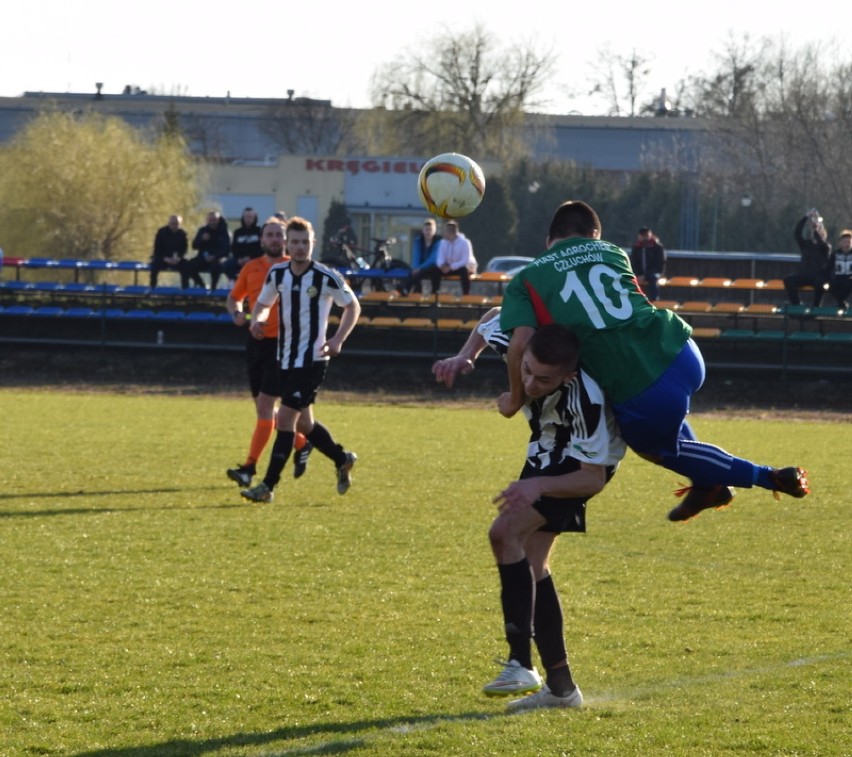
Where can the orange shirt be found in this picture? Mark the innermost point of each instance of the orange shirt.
(248, 286)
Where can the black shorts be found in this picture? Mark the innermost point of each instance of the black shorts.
(263, 368)
(298, 386)
(563, 514)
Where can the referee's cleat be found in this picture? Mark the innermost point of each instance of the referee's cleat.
(300, 460)
(700, 498)
(792, 481)
(546, 698)
(241, 475)
(344, 473)
(513, 679)
(259, 493)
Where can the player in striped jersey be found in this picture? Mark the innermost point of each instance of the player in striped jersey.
(261, 355)
(573, 451)
(303, 291)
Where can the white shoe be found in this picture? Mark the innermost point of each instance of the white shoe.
(513, 679)
(544, 698)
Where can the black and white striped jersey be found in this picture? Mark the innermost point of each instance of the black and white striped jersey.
(304, 304)
(573, 423)
(497, 340)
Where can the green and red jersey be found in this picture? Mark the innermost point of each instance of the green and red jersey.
(588, 285)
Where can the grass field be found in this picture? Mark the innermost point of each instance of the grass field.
(146, 610)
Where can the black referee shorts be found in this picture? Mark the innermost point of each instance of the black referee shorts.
(263, 367)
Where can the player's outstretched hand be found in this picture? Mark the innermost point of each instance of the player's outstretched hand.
(446, 370)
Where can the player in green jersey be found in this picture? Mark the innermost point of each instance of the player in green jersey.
(643, 358)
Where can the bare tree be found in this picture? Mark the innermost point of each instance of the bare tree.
(780, 122)
(302, 126)
(462, 91)
(620, 81)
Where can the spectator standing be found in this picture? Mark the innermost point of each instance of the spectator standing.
(424, 259)
(304, 291)
(245, 244)
(840, 270)
(648, 260)
(811, 238)
(455, 255)
(170, 246)
(261, 355)
(213, 245)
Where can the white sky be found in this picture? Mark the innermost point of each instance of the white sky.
(331, 49)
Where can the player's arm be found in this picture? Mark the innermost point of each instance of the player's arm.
(235, 310)
(446, 370)
(348, 319)
(510, 402)
(585, 482)
(236, 299)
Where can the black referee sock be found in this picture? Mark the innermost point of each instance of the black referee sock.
(321, 439)
(518, 598)
(281, 449)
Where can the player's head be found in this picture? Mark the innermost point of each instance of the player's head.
(550, 360)
(272, 238)
(300, 239)
(573, 218)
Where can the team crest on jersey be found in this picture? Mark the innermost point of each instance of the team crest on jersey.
(312, 291)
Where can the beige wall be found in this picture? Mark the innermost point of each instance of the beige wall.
(285, 182)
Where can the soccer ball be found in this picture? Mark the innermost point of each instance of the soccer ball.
(451, 185)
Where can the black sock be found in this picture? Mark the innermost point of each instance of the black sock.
(321, 439)
(281, 449)
(518, 598)
(550, 637)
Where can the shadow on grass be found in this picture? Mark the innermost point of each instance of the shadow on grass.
(100, 510)
(189, 748)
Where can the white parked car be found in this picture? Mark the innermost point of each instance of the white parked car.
(508, 264)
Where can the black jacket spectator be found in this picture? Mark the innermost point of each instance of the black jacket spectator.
(813, 264)
(170, 246)
(213, 244)
(840, 270)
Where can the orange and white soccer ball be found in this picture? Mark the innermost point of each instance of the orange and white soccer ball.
(451, 185)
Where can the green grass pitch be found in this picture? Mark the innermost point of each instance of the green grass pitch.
(146, 610)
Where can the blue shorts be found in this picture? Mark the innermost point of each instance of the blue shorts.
(654, 421)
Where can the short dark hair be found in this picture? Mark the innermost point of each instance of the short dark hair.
(574, 217)
(555, 344)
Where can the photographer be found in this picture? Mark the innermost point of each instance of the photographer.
(811, 237)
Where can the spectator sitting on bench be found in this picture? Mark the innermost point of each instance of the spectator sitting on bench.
(455, 255)
(424, 259)
(810, 236)
(245, 245)
(840, 270)
(213, 244)
(170, 246)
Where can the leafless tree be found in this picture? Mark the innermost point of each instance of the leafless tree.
(620, 81)
(461, 90)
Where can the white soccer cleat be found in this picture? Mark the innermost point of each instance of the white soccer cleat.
(544, 698)
(513, 679)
